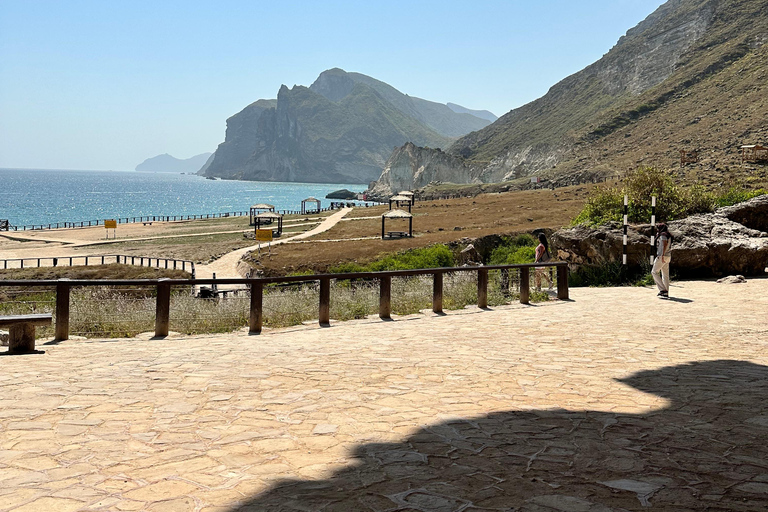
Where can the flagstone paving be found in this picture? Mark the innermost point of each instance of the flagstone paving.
(616, 400)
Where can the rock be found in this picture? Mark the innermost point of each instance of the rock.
(732, 280)
(342, 194)
(752, 214)
(470, 256)
(704, 245)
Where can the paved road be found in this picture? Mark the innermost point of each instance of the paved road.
(612, 401)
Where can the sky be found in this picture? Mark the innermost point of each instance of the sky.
(106, 84)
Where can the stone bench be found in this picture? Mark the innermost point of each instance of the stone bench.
(21, 331)
(147, 223)
(397, 234)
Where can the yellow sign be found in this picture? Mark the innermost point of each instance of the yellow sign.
(264, 235)
(110, 224)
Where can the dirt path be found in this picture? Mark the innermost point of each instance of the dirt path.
(226, 266)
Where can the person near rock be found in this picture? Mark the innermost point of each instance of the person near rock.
(542, 256)
(660, 270)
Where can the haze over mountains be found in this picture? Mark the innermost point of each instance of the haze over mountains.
(690, 76)
(341, 129)
(167, 163)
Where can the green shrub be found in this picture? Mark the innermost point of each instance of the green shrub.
(603, 205)
(520, 249)
(734, 195)
(612, 274)
(434, 256)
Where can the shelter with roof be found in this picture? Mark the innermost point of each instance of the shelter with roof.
(408, 194)
(394, 215)
(267, 219)
(754, 153)
(399, 201)
(258, 208)
(310, 199)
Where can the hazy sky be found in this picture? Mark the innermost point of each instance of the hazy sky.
(106, 84)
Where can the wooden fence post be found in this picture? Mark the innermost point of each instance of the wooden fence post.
(62, 310)
(385, 298)
(437, 293)
(257, 301)
(525, 285)
(482, 288)
(562, 282)
(162, 308)
(325, 301)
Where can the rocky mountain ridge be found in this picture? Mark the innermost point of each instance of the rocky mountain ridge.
(689, 76)
(341, 129)
(168, 163)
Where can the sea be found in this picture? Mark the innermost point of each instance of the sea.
(44, 196)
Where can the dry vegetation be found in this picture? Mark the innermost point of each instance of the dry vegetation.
(434, 222)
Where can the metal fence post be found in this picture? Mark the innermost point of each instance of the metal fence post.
(162, 308)
(482, 288)
(257, 302)
(437, 293)
(62, 310)
(325, 301)
(525, 285)
(385, 298)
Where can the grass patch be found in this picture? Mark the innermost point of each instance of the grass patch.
(434, 256)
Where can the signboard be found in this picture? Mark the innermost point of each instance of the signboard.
(110, 224)
(264, 235)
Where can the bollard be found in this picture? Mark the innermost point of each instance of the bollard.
(162, 308)
(437, 292)
(562, 282)
(257, 302)
(525, 285)
(62, 310)
(325, 302)
(385, 298)
(482, 288)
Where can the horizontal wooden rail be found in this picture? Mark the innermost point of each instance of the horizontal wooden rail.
(256, 285)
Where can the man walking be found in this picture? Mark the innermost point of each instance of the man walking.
(660, 270)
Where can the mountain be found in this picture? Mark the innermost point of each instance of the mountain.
(340, 129)
(691, 76)
(167, 163)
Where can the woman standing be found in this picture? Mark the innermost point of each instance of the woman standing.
(542, 256)
(660, 270)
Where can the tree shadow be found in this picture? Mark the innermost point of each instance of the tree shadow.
(708, 450)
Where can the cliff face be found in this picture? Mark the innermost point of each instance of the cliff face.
(690, 76)
(339, 130)
(410, 167)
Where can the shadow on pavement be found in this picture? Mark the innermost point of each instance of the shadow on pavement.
(707, 451)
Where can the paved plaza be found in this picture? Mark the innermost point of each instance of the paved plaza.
(616, 400)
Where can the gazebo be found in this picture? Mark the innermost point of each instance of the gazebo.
(267, 218)
(409, 194)
(399, 201)
(310, 200)
(258, 208)
(396, 214)
(754, 153)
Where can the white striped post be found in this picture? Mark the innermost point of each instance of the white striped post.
(653, 226)
(626, 216)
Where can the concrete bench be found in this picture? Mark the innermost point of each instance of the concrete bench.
(397, 234)
(145, 223)
(21, 331)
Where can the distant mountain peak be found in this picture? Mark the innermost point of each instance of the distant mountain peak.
(168, 163)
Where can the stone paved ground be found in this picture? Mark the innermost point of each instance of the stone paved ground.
(611, 402)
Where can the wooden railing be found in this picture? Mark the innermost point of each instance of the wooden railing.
(256, 285)
(100, 259)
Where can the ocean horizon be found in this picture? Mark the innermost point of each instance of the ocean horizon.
(47, 196)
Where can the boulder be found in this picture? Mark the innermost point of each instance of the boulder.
(732, 280)
(706, 245)
(752, 214)
(342, 194)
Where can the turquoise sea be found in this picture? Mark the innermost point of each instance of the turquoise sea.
(31, 196)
